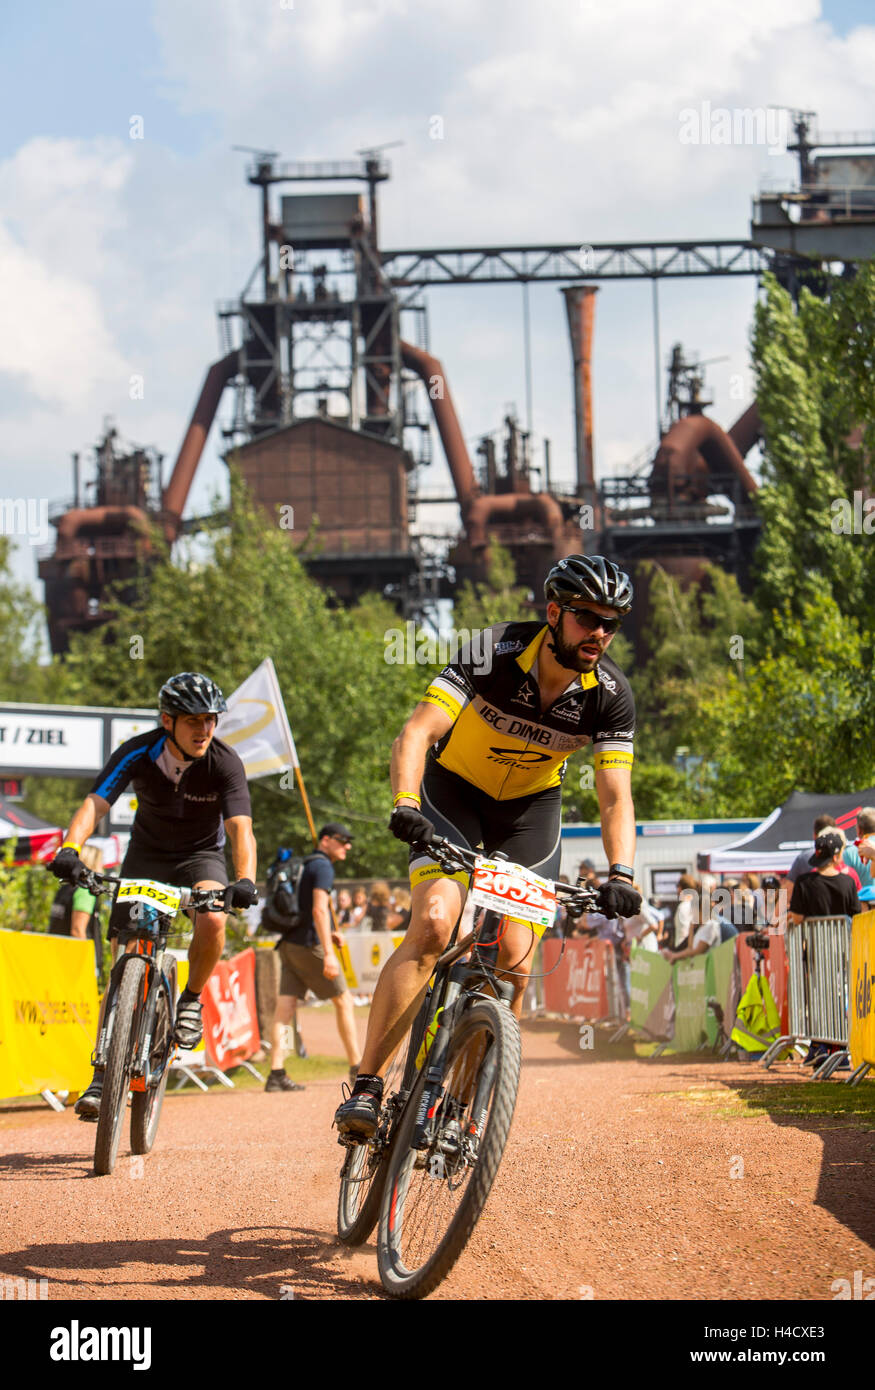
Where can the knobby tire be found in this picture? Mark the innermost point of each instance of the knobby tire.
(113, 1103)
(146, 1105)
(492, 1028)
(363, 1174)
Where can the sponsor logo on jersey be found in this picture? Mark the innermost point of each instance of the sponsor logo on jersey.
(570, 711)
(615, 733)
(525, 696)
(516, 757)
(456, 678)
(187, 796)
(607, 681)
(502, 647)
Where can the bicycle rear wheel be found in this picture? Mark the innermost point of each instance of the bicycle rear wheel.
(146, 1105)
(433, 1197)
(363, 1174)
(119, 1059)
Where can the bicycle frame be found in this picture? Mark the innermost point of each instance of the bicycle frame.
(150, 950)
(452, 993)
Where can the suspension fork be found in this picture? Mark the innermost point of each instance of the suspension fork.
(147, 1026)
(105, 1034)
(435, 1063)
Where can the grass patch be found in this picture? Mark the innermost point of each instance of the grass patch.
(849, 1106)
(314, 1068)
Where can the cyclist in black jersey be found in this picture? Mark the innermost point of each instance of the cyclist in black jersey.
(481, 760)
(191, 788)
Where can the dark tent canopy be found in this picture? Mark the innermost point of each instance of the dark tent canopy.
(773, 846)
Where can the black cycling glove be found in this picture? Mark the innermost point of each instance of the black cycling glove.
(243, 893)
(67, 865)
(619, 899)
(411, 826)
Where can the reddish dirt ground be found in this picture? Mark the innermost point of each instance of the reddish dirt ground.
(623, 1179)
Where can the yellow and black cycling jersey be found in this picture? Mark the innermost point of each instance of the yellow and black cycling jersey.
(501, 740)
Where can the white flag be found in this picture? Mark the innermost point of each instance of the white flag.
(256, 726)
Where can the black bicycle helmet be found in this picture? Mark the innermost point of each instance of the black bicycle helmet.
(589, 577)
(191, 693)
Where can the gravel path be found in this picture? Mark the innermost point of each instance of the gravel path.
(622, 1179)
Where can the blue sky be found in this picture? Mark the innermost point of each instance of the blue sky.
(561, 125)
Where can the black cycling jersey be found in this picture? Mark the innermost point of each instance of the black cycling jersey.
(501, 740)
(181, 806)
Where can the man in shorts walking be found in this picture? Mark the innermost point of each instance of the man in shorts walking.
(309, 960)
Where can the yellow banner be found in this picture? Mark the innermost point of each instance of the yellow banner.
(48, 1013)
(862, 990)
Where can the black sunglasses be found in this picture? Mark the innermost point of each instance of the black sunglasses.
(589, 620)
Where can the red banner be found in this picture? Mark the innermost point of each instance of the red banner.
(776, 971)
(579, 987)
(230, 1019)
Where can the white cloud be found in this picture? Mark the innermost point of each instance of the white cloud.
(561, 124)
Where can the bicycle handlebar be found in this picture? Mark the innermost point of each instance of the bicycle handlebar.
(452, 858)
(198, 898)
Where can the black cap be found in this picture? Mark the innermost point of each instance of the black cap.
(338, 831)
(826, 847)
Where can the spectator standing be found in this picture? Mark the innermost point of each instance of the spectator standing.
(308, 957)
(74, 910)
(705, 935)
(344, 907)
(379, 900)
(827, 892)
(860, 857)
(687, 911)
(801, 864)
(400, 919)
(359, 907)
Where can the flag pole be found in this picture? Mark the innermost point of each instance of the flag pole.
(311, 823)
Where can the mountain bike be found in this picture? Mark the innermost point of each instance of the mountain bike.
(135, 1045)
(449, 1097)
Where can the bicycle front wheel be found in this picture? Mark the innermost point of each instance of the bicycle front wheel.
(434, 1195)
(146, 1105)
(119, 1059)
(363, 1175)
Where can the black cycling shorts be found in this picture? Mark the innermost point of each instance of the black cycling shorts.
(525, 828)
(181, 873)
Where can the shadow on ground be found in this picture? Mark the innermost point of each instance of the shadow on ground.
(843, 1117)
(274, 1262)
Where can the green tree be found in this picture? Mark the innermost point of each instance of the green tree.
(697, 635)
(21, 678)
(241, 596)
(798, 718)
(814, 389)
(497, 599)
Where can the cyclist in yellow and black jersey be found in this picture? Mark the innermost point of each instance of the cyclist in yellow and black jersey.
(501, 738)
(481, 760)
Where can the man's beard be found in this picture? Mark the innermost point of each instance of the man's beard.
(568, 655)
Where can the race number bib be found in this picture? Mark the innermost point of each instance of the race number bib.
(514, 892)
(145, 890)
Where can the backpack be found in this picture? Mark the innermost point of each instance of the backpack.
(282, 910)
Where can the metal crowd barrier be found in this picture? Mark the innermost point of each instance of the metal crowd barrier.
(818, 957)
